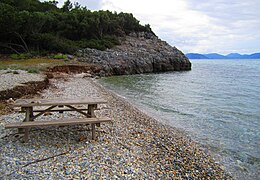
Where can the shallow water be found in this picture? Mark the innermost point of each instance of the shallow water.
(217, 103)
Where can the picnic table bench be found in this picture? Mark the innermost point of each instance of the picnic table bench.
(57, 105)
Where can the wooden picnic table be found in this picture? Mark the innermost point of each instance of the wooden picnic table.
(57, 105)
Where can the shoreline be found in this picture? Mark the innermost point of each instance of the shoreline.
(134, 146)
(162, 124)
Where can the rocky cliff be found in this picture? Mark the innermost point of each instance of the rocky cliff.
(138, 53)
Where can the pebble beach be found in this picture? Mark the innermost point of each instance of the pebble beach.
(12, 78)
(133, 146)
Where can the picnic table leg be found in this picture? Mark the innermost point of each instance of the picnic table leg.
(28, 116)
(28, 110)
(91, 109)
(21, 130)
(93, 128)
(91, 113)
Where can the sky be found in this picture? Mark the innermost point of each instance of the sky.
(198, 26)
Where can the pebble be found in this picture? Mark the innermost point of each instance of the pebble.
(134, 146)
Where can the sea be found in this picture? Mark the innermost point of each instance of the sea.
(217, 104)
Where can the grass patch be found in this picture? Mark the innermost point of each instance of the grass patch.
(33, 70)
(33, 65)
(21, 56)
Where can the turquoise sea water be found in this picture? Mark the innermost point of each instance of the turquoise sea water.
(217, 103)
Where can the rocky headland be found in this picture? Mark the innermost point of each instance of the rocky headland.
(138, 53)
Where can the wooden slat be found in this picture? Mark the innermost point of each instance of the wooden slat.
(57, 102)
(57, 110)
(63, 122)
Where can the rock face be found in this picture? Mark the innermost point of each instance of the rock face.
(138, 53)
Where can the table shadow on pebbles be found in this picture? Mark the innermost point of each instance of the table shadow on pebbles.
(134, 146)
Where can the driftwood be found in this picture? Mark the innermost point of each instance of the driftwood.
(36, 161)
(44, 159)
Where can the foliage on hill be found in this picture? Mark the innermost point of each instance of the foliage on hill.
(34, 26)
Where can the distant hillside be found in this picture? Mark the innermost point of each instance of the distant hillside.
(219, 56)
(196, 56)
(215, 56)
(254, 56)
(234, 56)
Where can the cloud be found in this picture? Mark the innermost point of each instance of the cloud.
(204, 26)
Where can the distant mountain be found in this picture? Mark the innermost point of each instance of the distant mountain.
(219, 56)
(215, 56)
(234, 56)
(254, 56)
(196, 56)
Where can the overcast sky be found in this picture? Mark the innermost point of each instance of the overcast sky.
(201, 26)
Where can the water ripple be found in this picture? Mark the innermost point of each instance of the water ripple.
(217, 103)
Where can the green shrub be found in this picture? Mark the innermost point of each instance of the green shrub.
(53, 43)
(100, 44)
(14, 56)
(21, 56)
(33, 70)
(60, 56)
(25, 55)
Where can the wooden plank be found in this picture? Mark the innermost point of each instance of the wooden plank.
(57, 102)
(56, 110)
(63, 122)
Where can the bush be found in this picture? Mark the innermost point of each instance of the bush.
(60, 56)
(14, 56)
(100, 44)
(53, 43)
(32, 70)
(21, 56)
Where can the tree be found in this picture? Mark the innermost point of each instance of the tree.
(48, 6)
(31, 24)
(8, 19)
(53, 2)
(67, 6)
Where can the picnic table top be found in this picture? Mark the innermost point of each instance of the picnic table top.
(57, 102)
